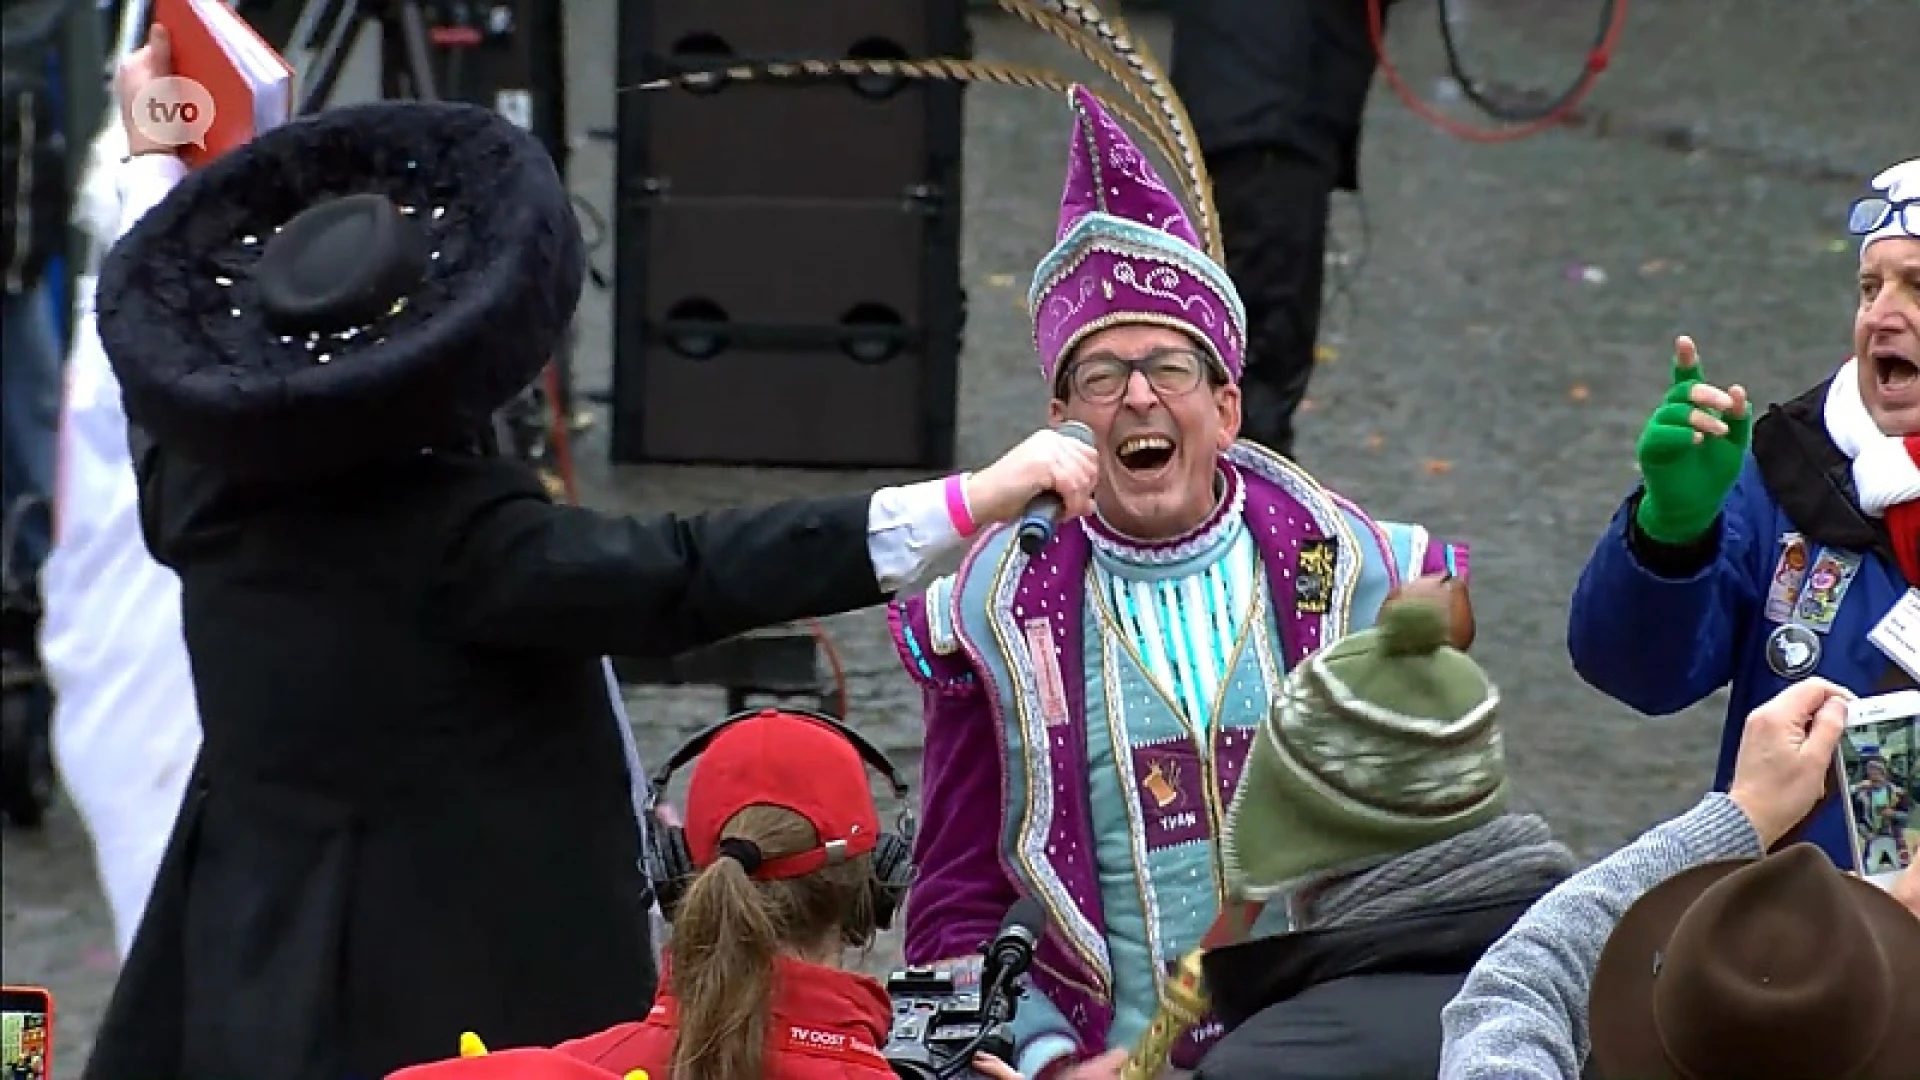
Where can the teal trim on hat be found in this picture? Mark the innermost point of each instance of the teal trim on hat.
(1089, 230)
(1107, 271)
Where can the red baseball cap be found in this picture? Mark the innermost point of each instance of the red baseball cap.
(794, 762)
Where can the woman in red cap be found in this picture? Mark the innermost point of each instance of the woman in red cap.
(781, 827)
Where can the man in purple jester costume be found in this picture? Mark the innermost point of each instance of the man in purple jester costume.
(1088, 709)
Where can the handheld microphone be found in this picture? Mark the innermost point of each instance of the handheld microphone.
(1037, 521)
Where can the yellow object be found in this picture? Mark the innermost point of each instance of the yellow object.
(472, 1047)
(1182, 1004)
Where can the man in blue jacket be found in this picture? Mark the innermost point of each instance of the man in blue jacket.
(1760, 554)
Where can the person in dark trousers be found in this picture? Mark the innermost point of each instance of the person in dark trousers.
(413, 814)
(1276, 92)
(33, 232)
(34, 215)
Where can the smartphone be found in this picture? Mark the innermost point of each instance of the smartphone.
(1879, 762)
(26, 1033)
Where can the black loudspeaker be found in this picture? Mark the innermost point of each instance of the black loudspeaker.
(787, 276)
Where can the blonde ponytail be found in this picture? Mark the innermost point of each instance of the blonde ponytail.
(729, 929)
(723, 945)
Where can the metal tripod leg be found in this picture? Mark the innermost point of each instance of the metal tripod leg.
(413, 41)
(323, 71)
(406, 70)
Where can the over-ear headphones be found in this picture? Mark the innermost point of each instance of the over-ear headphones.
(670, 866)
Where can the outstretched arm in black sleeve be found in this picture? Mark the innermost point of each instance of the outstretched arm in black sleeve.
(528, 573)
(524, 572)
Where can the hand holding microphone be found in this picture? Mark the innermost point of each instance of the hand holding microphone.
(1047, 479)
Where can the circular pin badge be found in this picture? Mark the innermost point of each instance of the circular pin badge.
(1793, 651)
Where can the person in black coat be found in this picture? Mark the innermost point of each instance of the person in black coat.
(414, 814)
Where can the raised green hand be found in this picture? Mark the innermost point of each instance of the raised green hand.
(1691, 452)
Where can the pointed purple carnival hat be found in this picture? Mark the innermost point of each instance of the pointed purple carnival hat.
(1127, 253)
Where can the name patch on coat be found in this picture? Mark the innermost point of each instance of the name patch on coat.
(1045, 654)
(1313, 581)
(1172, 791)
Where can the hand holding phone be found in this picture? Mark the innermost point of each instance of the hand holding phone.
(1878, 763)
(26, 1033)
(1782, 769)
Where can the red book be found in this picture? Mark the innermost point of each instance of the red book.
(249, 83)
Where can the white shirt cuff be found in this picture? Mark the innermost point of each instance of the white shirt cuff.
(145, 179)
(907, 529)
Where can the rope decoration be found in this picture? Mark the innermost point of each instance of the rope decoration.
(1151, 108)
(935, 70)
(1111, 35)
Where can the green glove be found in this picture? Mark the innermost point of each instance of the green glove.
(1687, 472)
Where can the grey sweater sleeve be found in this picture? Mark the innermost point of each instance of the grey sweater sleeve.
(1522, 1014)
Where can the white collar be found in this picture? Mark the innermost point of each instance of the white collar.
(1883, 472)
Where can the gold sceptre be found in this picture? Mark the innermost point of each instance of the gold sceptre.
(1182, 1004)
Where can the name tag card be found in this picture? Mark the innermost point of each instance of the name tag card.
(1898, 635)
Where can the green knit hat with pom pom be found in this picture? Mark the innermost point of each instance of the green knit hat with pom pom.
(1381, 743)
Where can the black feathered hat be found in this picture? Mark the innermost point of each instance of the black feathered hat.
(365, 283)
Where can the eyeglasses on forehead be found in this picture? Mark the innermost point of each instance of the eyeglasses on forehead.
(1873, 213)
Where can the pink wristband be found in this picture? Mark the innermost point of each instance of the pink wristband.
(957, 511)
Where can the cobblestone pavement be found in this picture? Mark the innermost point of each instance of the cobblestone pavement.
(1502, 327)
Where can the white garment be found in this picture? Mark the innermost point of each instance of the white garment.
(1883, 472)
(907, 529)
(125, 725)
(1186, 625)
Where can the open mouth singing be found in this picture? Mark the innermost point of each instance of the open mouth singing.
(1145, 453)
(1895, 370)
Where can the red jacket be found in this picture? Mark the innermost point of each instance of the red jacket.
(524, 1064)
(827, 1025)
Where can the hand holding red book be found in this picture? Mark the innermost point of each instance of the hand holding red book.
(204, 84)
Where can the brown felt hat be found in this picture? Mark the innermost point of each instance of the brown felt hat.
(1781, 967)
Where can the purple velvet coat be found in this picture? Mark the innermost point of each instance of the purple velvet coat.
(1000, 794)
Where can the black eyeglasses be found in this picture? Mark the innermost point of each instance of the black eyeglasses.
(1871, 214)
(1101, 379)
